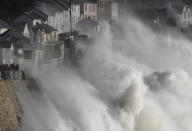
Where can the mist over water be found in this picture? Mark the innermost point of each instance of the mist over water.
(139, 81)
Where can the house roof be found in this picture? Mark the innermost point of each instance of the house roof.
(14, 34)
(50, 7)
(39, 13)
(28, 17)
(45, 27)
(20, 26)
(90, 1)
(18, 38)
(5, 44)
(22, 44)
(4, 24)
(62, 3)
(34, 15)
(4, 37)
(76, 1)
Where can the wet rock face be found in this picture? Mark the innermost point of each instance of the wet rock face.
(8, 108)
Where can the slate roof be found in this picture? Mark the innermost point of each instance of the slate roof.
(18, 38)
(90, 1)
(76, 1)
(45, 27)
(28, 17)
(34, 15)
(20, 26)
(62, 3)
(14, 34)
(3, 24)
(39, 13)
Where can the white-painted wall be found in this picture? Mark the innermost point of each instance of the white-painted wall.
(75, 11)
(26, 31)
(90, 10)
(186, 16)
(114, 11)
(60, 21)
(7, 55)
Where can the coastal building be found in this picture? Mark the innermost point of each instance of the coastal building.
(49, 49)
(108, 10)
(6, 52)
(75, 12)
(115, 11)
(89, 9)
(21, 52)
(88, 26)
(24, 29)
(45, 33)
(186, 16)
(58, 14)
(60, 21)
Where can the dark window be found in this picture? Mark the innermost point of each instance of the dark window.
(28, 54)
(37, 23)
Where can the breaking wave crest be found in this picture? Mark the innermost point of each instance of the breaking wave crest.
(139, 81)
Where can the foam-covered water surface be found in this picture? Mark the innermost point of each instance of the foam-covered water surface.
(138, 81)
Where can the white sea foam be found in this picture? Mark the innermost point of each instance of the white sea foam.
(140, 81)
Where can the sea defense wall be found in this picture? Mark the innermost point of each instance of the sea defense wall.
(9, 112)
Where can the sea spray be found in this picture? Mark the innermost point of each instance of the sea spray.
(138, 81)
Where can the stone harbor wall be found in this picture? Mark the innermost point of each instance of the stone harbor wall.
(9, 112)
(10, 108)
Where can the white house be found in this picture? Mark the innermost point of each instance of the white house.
(108, 10)
(90, 9)
(48, 47)
(60, 21)
(114, 11)
(186, 16)
(6, 52)
(75, 12)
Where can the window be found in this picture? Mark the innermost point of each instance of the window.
(37, 23)
(27, 54)
(20, 51)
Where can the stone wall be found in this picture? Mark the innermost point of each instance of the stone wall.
(9, 112)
